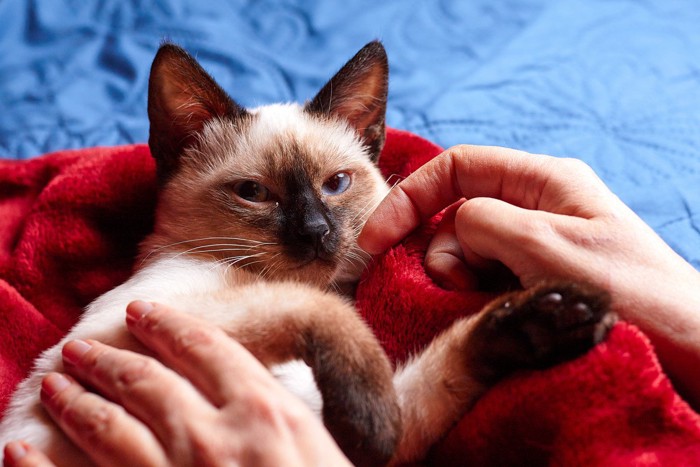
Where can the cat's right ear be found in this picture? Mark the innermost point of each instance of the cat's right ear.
(358, 94)
(182, 97)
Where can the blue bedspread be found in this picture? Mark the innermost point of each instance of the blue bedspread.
(614, 82)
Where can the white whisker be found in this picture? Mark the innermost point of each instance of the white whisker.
(273, 263)
(391, 177)
(233, 260)
(202, 239)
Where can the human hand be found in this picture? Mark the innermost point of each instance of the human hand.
(547, 218)
(542, 217)
(225, 409)
(530, 212)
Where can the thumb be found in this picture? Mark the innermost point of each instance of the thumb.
(444, 261)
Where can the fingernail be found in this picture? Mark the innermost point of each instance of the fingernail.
(53, 384)
(14, 451)
(137, 310)
(73, 351)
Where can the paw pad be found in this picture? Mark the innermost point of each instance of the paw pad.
(545, 325)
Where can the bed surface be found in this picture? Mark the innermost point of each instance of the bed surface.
(615, 83)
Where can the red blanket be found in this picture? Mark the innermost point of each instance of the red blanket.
(70, 223)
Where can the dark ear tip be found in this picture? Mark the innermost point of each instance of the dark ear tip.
(374, 49)
(376, 44)
(169, 50)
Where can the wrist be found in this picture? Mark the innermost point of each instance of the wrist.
(668, 312)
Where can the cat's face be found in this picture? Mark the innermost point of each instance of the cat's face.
(281, 190)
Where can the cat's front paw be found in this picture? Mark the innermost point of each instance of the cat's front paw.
(539, 327)
(364, 419)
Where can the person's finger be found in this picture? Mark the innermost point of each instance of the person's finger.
(531, 181)
(527, 242)
(102, 429)
(459, 172)
(135, 382)
(21, 454)
(204, 354)
(444, 260)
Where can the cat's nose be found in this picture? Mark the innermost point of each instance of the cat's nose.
(315, 232)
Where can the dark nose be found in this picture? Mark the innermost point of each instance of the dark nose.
(314, 231)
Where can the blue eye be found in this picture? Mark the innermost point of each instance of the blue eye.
(252, 191)
(337, 184)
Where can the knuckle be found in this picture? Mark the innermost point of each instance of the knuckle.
(151, 322)
(575, 166)
(190, 341)
(460, 151)
(460, 148)
(178, 338)
(209, 451)
(279, 411)
(92, 362)
(472, 211)
(207, 440)
(257, 402)
(267, 410)
(296, 416)
(91, 419)
(136, 370)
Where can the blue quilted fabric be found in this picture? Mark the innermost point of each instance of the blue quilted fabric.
(614, 82)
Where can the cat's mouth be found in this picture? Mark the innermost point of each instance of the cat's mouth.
(316, 270)
(323, 261)
(308, 254)
(315, 263)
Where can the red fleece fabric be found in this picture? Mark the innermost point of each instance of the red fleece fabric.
(70, 224)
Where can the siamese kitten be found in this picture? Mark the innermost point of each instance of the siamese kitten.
(256, 227)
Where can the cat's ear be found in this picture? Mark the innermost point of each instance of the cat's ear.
(358, 93)
(182, 97)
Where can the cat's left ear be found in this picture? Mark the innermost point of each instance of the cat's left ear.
(182, 98)
(358, 93)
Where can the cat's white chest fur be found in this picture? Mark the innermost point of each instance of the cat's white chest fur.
(181, 282)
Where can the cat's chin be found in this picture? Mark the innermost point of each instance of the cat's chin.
(316, 271)
(348, 275)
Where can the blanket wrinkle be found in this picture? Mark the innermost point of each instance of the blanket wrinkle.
(70, 226)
